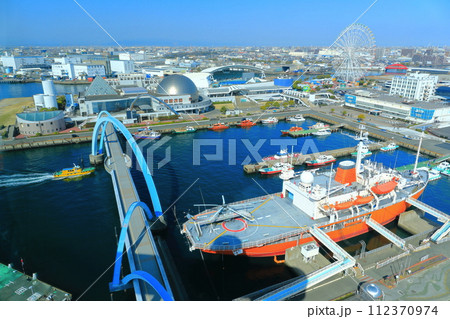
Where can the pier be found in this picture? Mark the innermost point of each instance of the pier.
(302, 158)
(148, 276)
(17, 286)
(343, 262)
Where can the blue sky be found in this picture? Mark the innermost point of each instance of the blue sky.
(221, 23)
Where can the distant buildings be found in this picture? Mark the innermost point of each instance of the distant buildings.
(397, 107)
(397, 69)
(19, 62)
(77, 71)
(122, 67)
(420, 87)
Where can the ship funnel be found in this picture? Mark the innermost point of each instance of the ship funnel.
(346, 172)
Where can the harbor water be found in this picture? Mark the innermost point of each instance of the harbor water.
(66, 231)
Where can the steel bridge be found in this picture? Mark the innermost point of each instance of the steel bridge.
(147, 275)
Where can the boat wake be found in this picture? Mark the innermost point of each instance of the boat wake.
(23, 179)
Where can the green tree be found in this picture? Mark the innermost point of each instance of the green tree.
(361, 117)
(223, 109)
(344, 112)
(61, 100)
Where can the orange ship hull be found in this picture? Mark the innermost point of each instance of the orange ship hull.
(353, 227)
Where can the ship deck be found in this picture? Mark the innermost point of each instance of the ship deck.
(275, 218)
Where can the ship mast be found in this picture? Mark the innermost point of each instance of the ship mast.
(418, 154)
(359, 157)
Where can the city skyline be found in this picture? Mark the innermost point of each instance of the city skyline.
(201, 23)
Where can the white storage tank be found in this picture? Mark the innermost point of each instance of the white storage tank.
(50, 101)
(38, 100)
(48, 87)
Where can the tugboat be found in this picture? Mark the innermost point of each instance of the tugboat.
(390, 147)
(246, 123)
(276, 168)
(321, 160)
(218, 127)
(338, 203)
(75, 171)
(270, 120)
(147, 133)
(187, 129)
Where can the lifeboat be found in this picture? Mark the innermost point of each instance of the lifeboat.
(384, 188)
(360, 200)
(339, 206)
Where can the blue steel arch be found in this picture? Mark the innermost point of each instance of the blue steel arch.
(102, 121)
(118, 284)
(154, 97)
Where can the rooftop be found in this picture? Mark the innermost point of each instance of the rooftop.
(39, 116)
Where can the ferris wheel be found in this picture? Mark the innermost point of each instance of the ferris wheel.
(354, 48)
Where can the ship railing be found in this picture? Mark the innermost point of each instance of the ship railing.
(251, 244)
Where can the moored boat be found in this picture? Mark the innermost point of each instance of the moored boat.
(246, 123)
(270, 120)
(276, 168)
(365, 151)
(390, 147)
(321, 160)
(218, 127)
(296, 118)
(147, 134)
(322, 132)
(187, 129)
(292, 129)
(318, 125)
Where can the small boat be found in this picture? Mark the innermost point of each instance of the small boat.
(321, 160)
(187, 129)
(322, 132)
(390, 147)
(296, 118)
(147, 134)
(246, 123)
(218, 127)
(292, 129)
(283, 153)
(443, 168)
(75, 171)
(384, 188)
(433, 174)
(318, 125)
(364, 151)
(270, 120)
(276, 168)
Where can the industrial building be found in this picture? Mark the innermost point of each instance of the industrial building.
(122, 67)
(77, 71)
(420, 87)
(396, 107)
(43, 123)
(18, 62)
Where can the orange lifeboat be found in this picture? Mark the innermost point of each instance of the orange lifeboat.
(343, 205)
(246, 123)
(363, 200)
(384, 188)
(218, 126)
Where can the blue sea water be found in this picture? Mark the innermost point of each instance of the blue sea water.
(66, 231)
(12, 90)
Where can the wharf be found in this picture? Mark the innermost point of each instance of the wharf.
(302, 158)
(16, 286)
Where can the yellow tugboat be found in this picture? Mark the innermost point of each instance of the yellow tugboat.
(75, 171)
